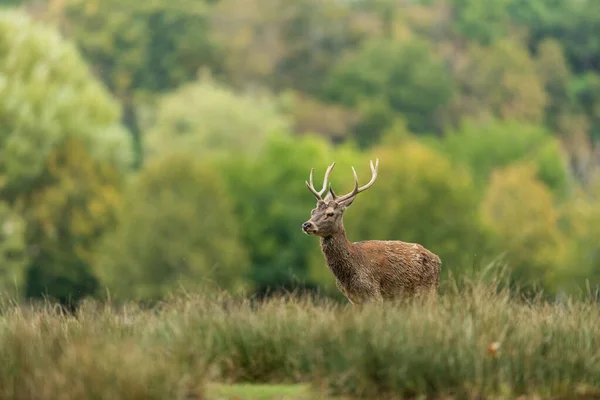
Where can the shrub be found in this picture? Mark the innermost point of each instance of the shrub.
(176, 227)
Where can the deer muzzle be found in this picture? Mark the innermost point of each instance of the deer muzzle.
(309, 228)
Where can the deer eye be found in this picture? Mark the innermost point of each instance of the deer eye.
(330, 214)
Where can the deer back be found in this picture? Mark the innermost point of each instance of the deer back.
(398, 265)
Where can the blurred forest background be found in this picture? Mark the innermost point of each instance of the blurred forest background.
(147, 146)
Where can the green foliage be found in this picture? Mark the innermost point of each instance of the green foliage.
(206, 118)
(149, 45)
(553, 69)
(48, 95)
(61, 276)
(482, 21)
(384, 77)
(140, 48)
(310, 115)
(62, 153)
(176, 228)
(581, 221)
(585, 90)
(507, 91)
(66, 216)
(573, 23)
(497, 144)
(500, 81)
(13, 251)
(520, 213)
(283, 44)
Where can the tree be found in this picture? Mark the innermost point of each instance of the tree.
(205, 118)
(177, 227)
(48, 96)
(482, 21)
(484, 147)
(573, 23)
(581, 221)
(385, 77)
(519, 212)
(140, 48)
(500, 81)
(554, 71)
(310, 115)
(13, 251)
(63, 153)
(66, 218)
(585, 90)
(579, 148)
(281, 44)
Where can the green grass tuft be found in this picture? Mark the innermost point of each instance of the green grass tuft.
(258, 392)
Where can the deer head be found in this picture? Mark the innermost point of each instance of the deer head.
(326, 218)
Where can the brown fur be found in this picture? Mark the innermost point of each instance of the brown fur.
(372, 270)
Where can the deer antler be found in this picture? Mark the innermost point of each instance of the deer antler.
(357, 190)
(311, 186)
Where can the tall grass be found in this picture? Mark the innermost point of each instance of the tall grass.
(475, 342)
(98, 354)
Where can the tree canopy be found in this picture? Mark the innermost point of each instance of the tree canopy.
(49, 95)
(149, 146)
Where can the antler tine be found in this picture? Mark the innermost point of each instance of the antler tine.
(332, 193)
(311, 186)
(374, 171)
(326, 178)
(357, 190)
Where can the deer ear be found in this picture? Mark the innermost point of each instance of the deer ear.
(347, 203)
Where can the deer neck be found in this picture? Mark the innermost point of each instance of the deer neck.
(338, 255)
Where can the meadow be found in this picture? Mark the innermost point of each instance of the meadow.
(476, 340)
(148, 148)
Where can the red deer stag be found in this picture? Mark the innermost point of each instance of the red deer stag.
(372, 270)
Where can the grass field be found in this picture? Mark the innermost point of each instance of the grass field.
(477, 342)
(258, 392)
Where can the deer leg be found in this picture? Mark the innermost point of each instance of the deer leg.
(343, 290)
(373, 296)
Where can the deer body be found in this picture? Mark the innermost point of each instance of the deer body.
(372, 270)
